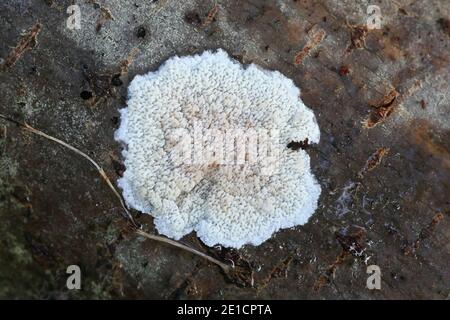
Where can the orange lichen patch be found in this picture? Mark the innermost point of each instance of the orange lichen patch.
(27, 42)
(374, 160)
(312, 43)
(383, 109)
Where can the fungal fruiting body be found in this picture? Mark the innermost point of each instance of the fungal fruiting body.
(206, 150)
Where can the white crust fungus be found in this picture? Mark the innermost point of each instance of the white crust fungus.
(226, 203)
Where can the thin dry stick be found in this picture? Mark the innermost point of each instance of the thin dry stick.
(226, 268)
(99, 169)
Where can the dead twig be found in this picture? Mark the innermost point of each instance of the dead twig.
(136, 226)
(226, 268)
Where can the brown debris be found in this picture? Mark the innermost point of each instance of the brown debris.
(184, 284)
(98, 87)
(383, 109)
(101, 86)
(295, 145)
(240, 273)
(424, 234)
(27, 42)
(324, 278)
(50, 3)
(403, 11)
(279, 271)
(118, 165)
(4, 132)
(124, 64)
(374, 160)
(192, 17)
(423, 104)
(105, 15)
(210, 17)
(445, 25)
(312, 43)
(351, 245)
(241, 276)
(344, 70)
(358, 36)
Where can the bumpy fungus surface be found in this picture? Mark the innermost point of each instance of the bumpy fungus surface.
(227, 203)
